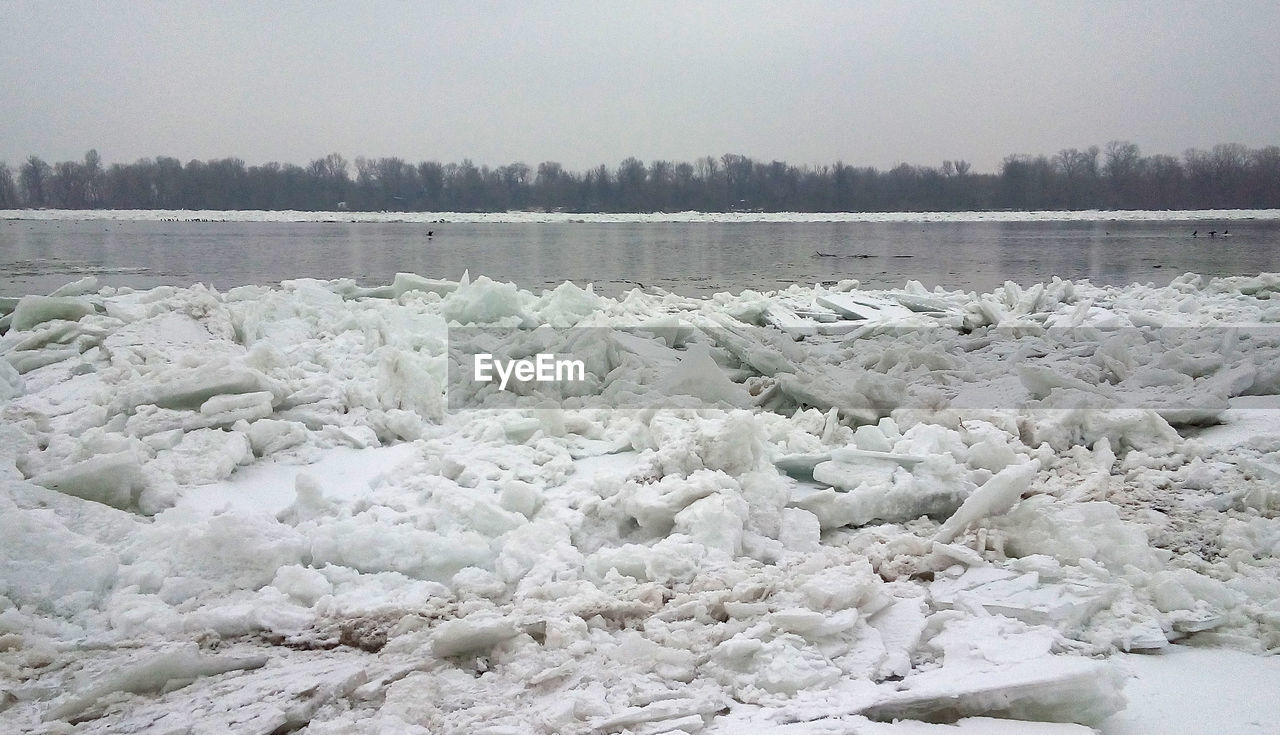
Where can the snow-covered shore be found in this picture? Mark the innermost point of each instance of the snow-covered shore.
(188, 215)
(845, 511)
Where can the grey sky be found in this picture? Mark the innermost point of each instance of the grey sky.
(870, 83)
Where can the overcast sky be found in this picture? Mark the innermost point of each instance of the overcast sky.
(869, 83)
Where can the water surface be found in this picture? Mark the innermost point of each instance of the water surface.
(694, 258)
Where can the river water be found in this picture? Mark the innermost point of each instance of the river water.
(694, 258)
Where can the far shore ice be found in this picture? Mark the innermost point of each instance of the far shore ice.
(143, 215)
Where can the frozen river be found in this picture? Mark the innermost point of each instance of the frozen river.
(688, 257)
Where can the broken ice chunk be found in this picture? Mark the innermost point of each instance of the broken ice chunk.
(10, 381)
(800, 465)
(1070, 532)
(697, 375)
(28, 360)
(791, 323)
(111, 479)
(850, 476)
(34, 310)
(474, 634)
(226, 409)
(863, 306)
(406, 282)
(996, 496)
(672, 714)
(82, 287)
(1048, 688)
(189, 389)
(871, 439)
(1025, 597)
(784, 665)
(856, 455)
(268, 436)
(180, 665)
(714, 521)
(800, 530)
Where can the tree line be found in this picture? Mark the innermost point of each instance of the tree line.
(1116, 176)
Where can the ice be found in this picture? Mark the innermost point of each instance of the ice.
(191, 388)
(566, 305)
(268, 436)
(851, 476)
(800, 530)
(872, 439)
(698, 376)
(46, 564)
(861, 455)
(10, 381)
(202, 456)
(788, 528)
(919, 300)
(111, 479)
(473, 635)
(33, 311)
(995, 496)
(675, 715)
(486, 302)
(788, 321)
(166, 669)
(373, 546)
(879, 487)
(1255, 284)
(224, 409)
(863, 306)
(406, 282)
(83, 287)
(1050, 688)
(1026, 595)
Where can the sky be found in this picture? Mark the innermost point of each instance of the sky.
(584, 83)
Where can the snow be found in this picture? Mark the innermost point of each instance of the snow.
(821, 509)
(1197, 691)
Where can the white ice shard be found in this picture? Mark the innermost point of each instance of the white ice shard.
(994, 497)
(859, 305)
(111, 479)
(35, 310)
(164, 670)
(406, 282)
(697, 375)
(190, 388)
(1049, 688)
(81, 287)
(472, 635)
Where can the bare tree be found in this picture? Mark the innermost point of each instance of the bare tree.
(34, 180)
(93, 179)
(8, 189)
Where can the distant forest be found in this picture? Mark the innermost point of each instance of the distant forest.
(1115, 176)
